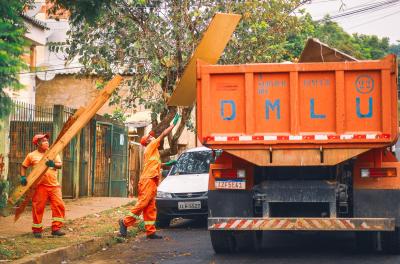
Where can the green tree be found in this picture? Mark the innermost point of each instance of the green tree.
(155, 39)
(12, 45)
(395, 49)
(371, 47)
(367, 47)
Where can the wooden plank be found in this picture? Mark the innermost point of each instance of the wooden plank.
(80, 122)
(209, 49)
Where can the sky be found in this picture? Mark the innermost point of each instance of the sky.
(383, 23)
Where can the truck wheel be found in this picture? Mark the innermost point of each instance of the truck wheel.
(366, 241)
(391, 242)
(248, 241)
(222, 242)
(162, 222)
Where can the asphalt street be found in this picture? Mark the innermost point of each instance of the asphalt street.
(189, 242)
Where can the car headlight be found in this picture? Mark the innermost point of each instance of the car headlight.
(163, 195)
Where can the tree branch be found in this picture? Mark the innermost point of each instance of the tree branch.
(173, 141)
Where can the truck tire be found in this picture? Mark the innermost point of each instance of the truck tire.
(248, 241)
(391, 242)
(366, 242)
(223, 242)
(162, 221)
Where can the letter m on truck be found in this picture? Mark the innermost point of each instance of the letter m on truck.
(305, 147)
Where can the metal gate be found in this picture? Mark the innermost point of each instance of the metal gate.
(109, 165)
(84, 160)
(69, 157)
(25, 121)
(102, 160)
(119, 162)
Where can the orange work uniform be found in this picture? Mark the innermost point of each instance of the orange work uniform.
(148, 183)
(48, 189)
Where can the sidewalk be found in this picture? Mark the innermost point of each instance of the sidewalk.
(74, 209)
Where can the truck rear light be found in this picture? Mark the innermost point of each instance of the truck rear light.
(378, 172)
(229, 173)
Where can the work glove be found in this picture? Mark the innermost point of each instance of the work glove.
(50, 163)
(24, 182)
(170, 163)
(176, 118)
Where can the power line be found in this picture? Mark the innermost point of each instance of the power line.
(365, 8)
(367, 11)
(373, 20)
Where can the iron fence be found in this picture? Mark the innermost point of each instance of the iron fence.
(101, 146)
(25, 121)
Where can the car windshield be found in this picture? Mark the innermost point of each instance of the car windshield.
(196, 162)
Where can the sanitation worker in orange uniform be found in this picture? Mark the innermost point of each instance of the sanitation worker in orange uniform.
(149, 180)
(48, 189)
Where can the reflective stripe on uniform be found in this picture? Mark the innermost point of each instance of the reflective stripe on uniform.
(149, 222)
(133, 215)
(37, 225)
(58, 219)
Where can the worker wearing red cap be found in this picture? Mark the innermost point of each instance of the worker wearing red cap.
(47, 188)
(149, 180)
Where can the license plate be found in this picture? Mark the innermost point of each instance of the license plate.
(189, 205)
(231, 184)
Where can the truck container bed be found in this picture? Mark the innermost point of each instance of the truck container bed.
(329, 112)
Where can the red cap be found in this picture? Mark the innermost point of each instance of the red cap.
(37, 137)
(143, 140)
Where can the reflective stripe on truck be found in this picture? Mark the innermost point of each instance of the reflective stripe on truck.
(302, 224)
(317, 137)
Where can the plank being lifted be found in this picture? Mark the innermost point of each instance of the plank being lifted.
(210, 48)
(80, 122)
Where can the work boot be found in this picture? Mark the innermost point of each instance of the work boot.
(154, 236)
(123, 230)
(57, 233)
(37, 235)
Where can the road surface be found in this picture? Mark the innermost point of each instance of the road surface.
(188, 242)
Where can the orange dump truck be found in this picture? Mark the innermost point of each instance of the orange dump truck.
(306, 147)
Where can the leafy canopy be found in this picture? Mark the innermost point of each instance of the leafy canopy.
(12, 45)
(153, 40)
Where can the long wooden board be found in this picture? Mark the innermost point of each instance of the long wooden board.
(210, 48)
(80, 122)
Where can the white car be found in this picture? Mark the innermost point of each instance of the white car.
(183, 193)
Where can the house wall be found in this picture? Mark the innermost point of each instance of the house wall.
(69, 91)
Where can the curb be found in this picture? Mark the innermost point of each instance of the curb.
(68, 253)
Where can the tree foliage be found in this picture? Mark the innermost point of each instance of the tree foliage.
(12, 45)
(395, 49)
(154, 40)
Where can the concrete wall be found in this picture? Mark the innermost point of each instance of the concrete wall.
(69, 91)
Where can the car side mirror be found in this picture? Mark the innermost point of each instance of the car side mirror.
(164, 173)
